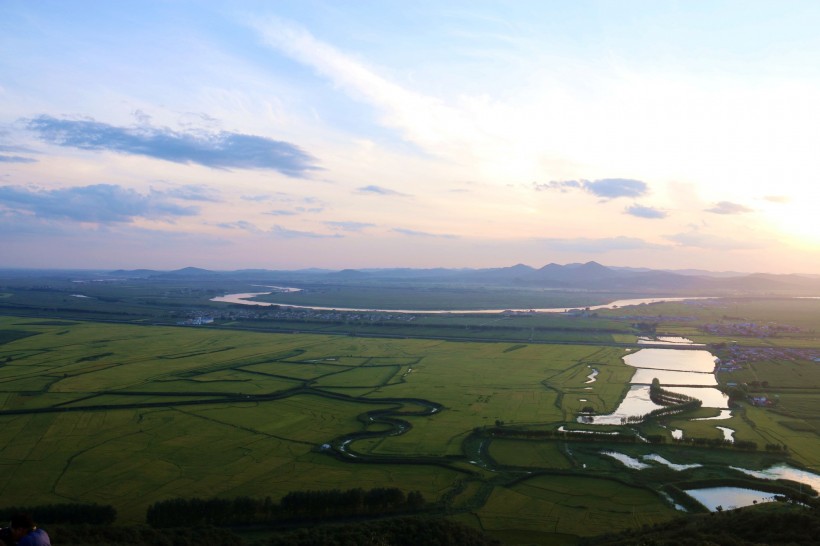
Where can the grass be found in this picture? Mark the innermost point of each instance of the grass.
(569, 505)
(267, 402)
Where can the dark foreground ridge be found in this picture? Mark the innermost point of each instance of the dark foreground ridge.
(770, 524)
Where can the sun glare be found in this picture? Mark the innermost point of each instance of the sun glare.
(796, 220)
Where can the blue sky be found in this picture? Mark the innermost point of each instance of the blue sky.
(415, 134)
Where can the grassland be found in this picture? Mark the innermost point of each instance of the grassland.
(128, 415)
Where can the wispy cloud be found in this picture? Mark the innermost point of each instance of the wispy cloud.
(100, 203)
(646, 212)
(286, 233)
(16, 159)
(193, 192)
(348, 226)
(777, 198)
(241, 224)
(698, 239)
(605, 188)
(562, 186)
(598, 246)
(281, 213)
(422, 119)
(727, 207)
(220, 150)
(380, 190)
(256, 198)
(414, 233)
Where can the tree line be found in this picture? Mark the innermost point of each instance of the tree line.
(295, 506)
(74, 513)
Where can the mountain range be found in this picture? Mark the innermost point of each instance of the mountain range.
(575, 276)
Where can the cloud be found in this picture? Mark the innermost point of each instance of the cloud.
(777, 198)
(646, 212)
(727, 207)
(16, 159)
(698, 239)
(349, 226)
(241, 224)
(100, 203)
(379, 190)
(611, 188)
(598, 246)
(193, 192)
(219, 150)
(281, 213)
(563, 186)
(605, 188)
(255, 198)
(414, 233)
(294, 211)
(285, 233)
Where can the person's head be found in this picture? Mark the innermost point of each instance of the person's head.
(21, 524)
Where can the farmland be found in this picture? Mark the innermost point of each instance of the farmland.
(128, 413)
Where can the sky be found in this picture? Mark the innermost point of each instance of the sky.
(336, 134)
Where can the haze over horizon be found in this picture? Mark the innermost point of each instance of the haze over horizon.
(296, 134)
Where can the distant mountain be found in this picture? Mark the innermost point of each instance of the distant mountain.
(575, 276)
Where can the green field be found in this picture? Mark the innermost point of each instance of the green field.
(129, 415)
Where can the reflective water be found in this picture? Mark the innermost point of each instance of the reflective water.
(673, 466)
(728, 497)
(667, 340)
(673, 368)
(728, 434)
(670, 359)
(710, 396)
(724, 414)
(245, 297)
(244, 300)
(646, 375)
(628, 461)
(785, 472)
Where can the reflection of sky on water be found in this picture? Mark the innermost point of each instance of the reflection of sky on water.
(644, 375)
(785, 472)
(728, 433)
(724, 414)
(672, 367)
(637, 402)
(711, 397)
(628, 461)
(673, 466)
(728, 497)
(671, 359)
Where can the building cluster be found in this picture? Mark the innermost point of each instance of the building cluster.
(748, 329)
(735, 356)
(198, 317)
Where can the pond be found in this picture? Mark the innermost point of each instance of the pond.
(667, 340)
(728, 497)
(674, 360)
(689, 372)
